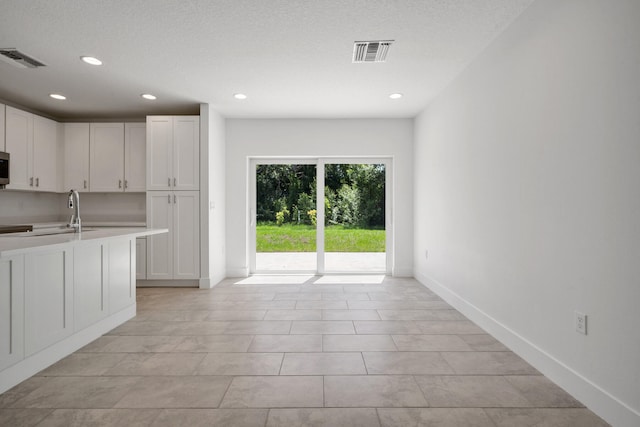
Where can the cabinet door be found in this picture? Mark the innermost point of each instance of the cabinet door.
(11, 311)
(141, 258)
(89, 284)
(186, 153)
(122, 281)
(135, 157)
(159, 152)
(76, 156)
(160, 246)
(19, 144)
(106, 165)
(186, 234)
(45, 154)
(48, 292)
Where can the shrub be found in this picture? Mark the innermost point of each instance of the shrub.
(283, 216)
(305, 204)
(312, 216)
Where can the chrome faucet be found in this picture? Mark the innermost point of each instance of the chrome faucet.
(74, 203)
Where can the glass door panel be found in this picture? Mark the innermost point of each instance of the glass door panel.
(285, 217)
(355, 217)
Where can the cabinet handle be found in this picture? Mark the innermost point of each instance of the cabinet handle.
(174, 182)
(31, 182)
(119, 183)
(174, 199)
(126, 184)
(168, 182)
(85, 184)
(169, 198)
(37, 182)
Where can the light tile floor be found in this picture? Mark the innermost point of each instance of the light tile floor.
(317, 351)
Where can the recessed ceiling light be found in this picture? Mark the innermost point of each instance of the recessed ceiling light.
(395, 96)
(57, 96)
(148, 96)
(240, 96)
(91, 60)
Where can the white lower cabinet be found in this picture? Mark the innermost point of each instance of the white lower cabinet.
(141, 258)
(103, 280)
(48, 291)
(65, 291)
(175, 255)
(55, 300)
(90, 284)
(122, 281)
(11, 311)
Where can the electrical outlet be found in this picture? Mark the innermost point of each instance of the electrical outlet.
(581, 323)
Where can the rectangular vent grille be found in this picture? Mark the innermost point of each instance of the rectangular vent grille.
(371, 51)
(19, 59)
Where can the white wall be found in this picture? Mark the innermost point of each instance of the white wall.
(22, 207)
(527, 196)
(109, 207)
(25, 207)
(212, 197)
(314, 138)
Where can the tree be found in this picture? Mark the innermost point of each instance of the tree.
(354, 193)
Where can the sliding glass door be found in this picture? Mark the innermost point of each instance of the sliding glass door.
(320, 215)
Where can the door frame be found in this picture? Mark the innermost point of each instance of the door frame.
(320, 162)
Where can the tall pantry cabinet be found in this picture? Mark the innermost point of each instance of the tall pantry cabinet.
(173, 197)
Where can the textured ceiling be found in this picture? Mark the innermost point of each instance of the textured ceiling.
(292, 58)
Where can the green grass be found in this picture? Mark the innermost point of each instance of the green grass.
(302, 238)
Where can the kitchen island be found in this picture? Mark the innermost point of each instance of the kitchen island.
(60, 291)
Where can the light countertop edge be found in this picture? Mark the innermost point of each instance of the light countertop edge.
(10, 246)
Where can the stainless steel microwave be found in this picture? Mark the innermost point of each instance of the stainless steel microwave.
(4, 169)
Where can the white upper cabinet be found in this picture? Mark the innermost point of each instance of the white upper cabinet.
(135, 157)
(45, 154)
(159, 149)
(173, 144)
(105, 157)
(19, 144)
(186, 153)
(76, 156)
(106, 164)
(32, 142)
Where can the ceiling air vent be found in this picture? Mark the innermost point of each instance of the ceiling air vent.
(19, 59)
(371, 51)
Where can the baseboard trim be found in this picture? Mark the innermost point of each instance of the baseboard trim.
(15, 374)
(167, 283)
(237, 272)
(402, 272)
(605, 405)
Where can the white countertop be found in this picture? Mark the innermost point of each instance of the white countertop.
(14, 245)
(118, 224)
